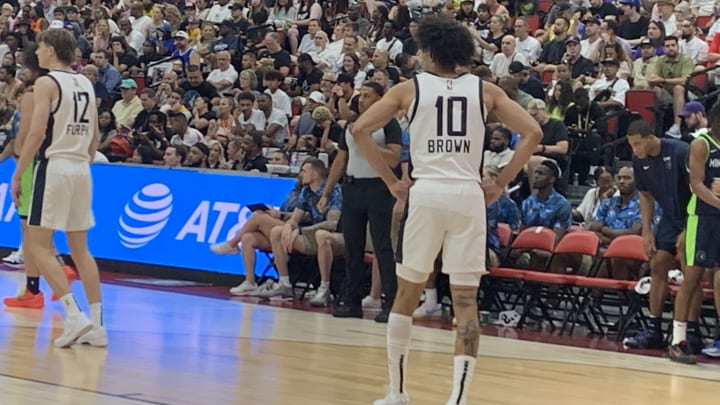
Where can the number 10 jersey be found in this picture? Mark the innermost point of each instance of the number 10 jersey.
(72, 123)
(447, 128)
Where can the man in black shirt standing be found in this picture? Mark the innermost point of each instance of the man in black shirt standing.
(366, 198)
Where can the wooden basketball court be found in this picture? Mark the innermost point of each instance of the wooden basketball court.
(171, 348)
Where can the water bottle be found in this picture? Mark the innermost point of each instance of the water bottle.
(575, 179)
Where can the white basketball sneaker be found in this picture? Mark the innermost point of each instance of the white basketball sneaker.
(245, 289)
(75, 326)
(97, 337)
(225, 248)
(394, 399)
(14, 259)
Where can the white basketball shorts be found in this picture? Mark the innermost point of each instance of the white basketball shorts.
(444, 215)
(62, 196)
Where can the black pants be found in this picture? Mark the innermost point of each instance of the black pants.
(367, 200)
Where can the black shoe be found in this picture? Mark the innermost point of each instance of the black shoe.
(382, 316)
(695, 343)
(680, 353)
(344, 310)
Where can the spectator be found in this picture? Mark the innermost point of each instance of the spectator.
(635, 25)
(182, 133)
(281, 101)
(309, 76)
(202, 116)
(108, 75)
(546, 207)
(224, 77)
(605, 189)
(644, 66)
(589, 46)
(504, 211)
(280, 57)
(585, 121)
(175, 155)
(275, 130)
(526, 82)
(129, 106)
(525, 43)
(609, 91)
(389, 42)
(668, 82)
(197, 156)
(148, 103)
(498, 153)
(252, 159)
(507, 55)
(291, 237)
(554, 143)
(692, 46)
(248, 117)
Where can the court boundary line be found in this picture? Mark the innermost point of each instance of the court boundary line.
(128, 396)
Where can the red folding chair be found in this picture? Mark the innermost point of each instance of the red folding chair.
(580, 242)
(642, 103)
(507, 282)
(629, 247)
(505, 233)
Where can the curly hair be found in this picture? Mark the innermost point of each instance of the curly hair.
(447, 41)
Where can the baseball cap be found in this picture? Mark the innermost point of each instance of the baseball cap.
(592, 20)
(516, 67)
(610, 61)
(181, 34)
(635, 3)
(236, 6)
(128, 84)
(317, 97)
(305, 57)
(572, 39)
(57, 24)
(692, 107)
(553, 166)
(646, 42)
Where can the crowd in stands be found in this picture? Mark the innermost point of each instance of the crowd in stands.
(260, 85)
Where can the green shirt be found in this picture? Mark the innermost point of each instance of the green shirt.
(667, 68)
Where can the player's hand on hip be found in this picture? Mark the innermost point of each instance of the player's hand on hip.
(400, 189)
(492, 192)
(16, 190)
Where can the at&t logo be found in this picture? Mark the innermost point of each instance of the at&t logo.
(145, 216)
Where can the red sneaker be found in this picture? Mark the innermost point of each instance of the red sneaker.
(70, 273)
(26, 299)
(71, 276)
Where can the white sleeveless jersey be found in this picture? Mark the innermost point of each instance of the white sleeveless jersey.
(447, 128)
(73, 119)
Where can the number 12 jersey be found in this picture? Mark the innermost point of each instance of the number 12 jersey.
(447, 128)
(72, 123)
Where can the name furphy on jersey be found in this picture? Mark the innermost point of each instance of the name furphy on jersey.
(449, 145)
(78, 129)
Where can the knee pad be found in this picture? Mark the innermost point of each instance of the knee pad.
(466, 279)
(413, 276)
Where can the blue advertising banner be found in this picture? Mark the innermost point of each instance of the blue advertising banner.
(155, 215)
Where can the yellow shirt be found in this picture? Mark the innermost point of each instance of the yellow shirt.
(125, 112)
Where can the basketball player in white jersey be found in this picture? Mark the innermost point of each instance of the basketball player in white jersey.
(64, 135)
(446, 204)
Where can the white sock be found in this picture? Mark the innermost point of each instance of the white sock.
(96, 314)
(398, 342)
(285, 280)
(679, 332)
(464, 368)
(70, 305)
(19, 249)
(431, 296)
(325, 285)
